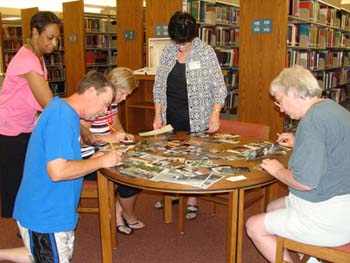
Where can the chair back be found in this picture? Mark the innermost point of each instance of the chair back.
(257, 130)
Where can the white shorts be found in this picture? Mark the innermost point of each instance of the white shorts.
(48, 247)
(324, 223)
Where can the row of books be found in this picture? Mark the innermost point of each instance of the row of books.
(318, 60)
(100, 57)
(219, 36)
(53, 59)
(56, 74)
(209, 13)
(228, 57)
(231, 78)
(231, 102)
(11, 44)
(316, 37)
(8, 57)
(319, 12)
(99, 25)
(98, 41)
(329, 80)
(58, 88)
(12, 32)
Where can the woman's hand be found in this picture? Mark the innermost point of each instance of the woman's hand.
(272, 166)
(214, 121)
(122, 136)
(157, 123)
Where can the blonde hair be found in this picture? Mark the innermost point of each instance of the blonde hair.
(123, 78)
(296, 78)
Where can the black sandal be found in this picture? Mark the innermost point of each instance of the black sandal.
(191, 212)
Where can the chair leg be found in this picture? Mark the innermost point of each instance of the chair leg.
(181, 214)
(279, 250)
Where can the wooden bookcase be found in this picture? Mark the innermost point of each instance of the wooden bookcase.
(100, 42)
(218, 23)
(139, 106)
(77, 51)
(319, 40)
(11, 41)
(137, 112)
(74, 43)
(261, 58)
(26, 15)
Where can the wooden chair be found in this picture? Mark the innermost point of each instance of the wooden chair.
(339, 254)
(89, 191)
(257, 130)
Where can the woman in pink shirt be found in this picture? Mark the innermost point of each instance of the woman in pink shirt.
(25, 92)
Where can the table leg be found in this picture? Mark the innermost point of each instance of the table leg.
(235, 226)
(168, 209)
(270, 193)
(105, 223)
(111, 193)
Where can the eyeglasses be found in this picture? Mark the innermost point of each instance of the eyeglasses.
(278, 101)
(183, 44)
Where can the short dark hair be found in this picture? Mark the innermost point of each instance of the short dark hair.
(97, 80)
(43, 18)
(182, 27)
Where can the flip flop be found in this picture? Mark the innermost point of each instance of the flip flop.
(121, 230)
(191, 212)
(134, 225)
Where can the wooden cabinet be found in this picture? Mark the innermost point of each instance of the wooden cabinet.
(139, 106)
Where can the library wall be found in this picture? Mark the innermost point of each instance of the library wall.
(262, 56)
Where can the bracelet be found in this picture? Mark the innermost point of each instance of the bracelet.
(216, 110)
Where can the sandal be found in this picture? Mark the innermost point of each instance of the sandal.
(135, 225)
(123, 229)
(191, 212)
(160, 204)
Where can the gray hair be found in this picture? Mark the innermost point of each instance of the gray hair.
(298, 79)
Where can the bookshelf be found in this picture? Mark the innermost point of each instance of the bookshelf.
(138, 109)
(261, 58)
(219, 27)
(100, 42)
(11, 41)
(319, 39)
(56, 70)
(89, 42)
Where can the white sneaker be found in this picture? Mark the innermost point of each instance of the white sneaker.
(313, 260)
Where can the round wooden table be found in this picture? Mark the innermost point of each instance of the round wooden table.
(235, 191)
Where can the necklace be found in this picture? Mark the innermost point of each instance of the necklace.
(36, 54)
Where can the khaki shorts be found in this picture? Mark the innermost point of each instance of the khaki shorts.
(324, 223)
(48, 247)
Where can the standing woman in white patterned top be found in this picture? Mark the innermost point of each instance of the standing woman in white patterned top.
(25, 92)
(189, 89)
